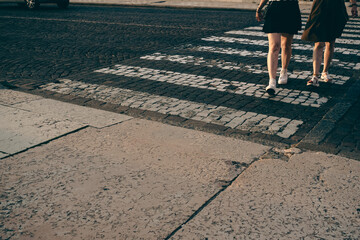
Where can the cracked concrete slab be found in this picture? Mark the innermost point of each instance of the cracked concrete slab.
(22, 129)
(313, 195)
(135, 180)
(84, 115)
(10, 97)
(28, 120)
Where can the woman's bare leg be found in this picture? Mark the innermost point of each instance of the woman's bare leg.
(317, 60)
(286, 41)
(273, 54)
(286, 50)
(328, 55)
(317, 57)
(273, 60)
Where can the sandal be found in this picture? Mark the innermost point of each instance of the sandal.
(314, 81)
(325, 77)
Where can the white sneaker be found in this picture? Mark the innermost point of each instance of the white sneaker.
(314, 81)
(271, 88)
(283, 79)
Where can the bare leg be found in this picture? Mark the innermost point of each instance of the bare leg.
(273, 60)
(317, 57)
(317, 60)
(286, 41)
(328, 55)
(273, 54)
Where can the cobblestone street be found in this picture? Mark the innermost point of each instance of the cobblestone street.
(199, 69)
(148, 122)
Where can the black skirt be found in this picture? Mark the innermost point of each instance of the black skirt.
(282, 17)
(326, 21)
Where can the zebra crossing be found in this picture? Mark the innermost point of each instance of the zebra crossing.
(246, 41)
(298, 37)
(255, 69)
(243, 120)
(259, 28)
(305, 98)
(194, 68)
(257, 54)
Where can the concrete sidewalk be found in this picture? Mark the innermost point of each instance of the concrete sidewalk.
(71, 172)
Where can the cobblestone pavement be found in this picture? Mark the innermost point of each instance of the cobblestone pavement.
(198, 69)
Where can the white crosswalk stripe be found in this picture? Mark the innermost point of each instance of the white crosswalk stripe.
(261, 34)
(348, 24)
(232, 118)
(298, 46)
(354, 26)
(247, 32)
(257, 54)
(259, 28)
(350, 21)
(296, 97)
(255, 69)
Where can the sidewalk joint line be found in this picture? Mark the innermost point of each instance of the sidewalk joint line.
(223, 188)
(113, 124)
(45, 142)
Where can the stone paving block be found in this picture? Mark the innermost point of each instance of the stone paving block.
(71, 112)
(319, 132)
(313, 195)
(136, 180)
(337, 111)
(20, 129)
(278, 124)
(290, 129)
(3, 155)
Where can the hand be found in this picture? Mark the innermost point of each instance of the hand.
(354, 11)
(259, 16)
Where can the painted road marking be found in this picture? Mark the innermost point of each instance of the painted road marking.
(351, 20)
(348, 24)
(305, 98)
(257, 54)
(342, 41)
(298, 37)
(255, 69)
(259, 28)
(298, 46)
(347, 65)
(232, 118)
(309, 47)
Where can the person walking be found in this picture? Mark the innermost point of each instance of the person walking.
(282, 21)
(326, 23)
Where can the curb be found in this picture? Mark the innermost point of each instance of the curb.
(328, 122)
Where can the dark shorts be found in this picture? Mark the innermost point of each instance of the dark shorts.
(283, 17)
